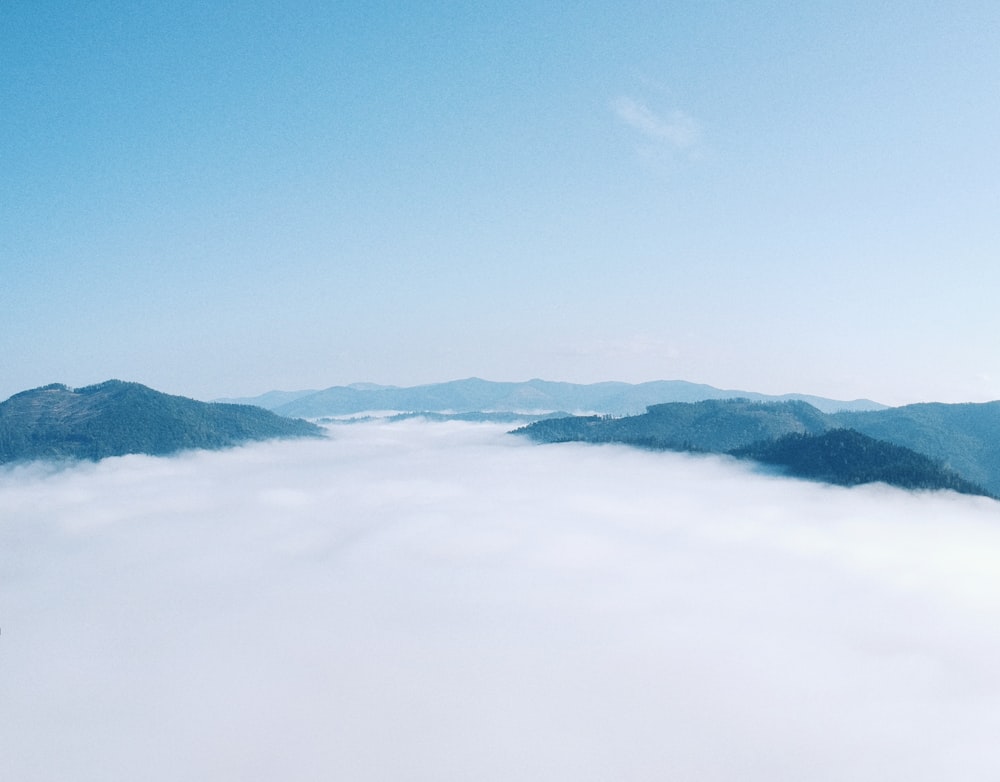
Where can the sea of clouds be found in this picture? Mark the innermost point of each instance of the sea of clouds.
(417, 601)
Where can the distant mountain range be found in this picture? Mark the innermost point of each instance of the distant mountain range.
(117, 418)
(533, 396)
(926, 446)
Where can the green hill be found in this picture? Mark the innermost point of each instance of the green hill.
(116, 418)
(715, 426)
(849, 458)
(963, 437)
(960, 442)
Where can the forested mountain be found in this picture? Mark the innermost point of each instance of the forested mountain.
(946, 446)
(116, 418)
(476, 395)
(848, 458)
(715, 426)
(964, 437)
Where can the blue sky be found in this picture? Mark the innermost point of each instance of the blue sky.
(221, 199)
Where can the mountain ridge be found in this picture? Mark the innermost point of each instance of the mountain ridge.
(531, 396)
(963, 440)
(115, 418)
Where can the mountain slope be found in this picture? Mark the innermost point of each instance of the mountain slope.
(715, 426)
(963, 440)
(964, 437)
(848, 458)
(116, 418)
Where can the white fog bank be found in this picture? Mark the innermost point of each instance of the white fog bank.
(435, 602)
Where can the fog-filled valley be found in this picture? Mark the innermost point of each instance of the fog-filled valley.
(443, 601)
(717, 261)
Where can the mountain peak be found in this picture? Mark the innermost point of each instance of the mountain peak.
(116, 417)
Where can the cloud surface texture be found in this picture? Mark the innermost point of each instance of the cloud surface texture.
(419, 601)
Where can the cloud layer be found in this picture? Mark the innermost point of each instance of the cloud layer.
(445, 602)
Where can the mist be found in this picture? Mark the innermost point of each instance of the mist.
(447, 602)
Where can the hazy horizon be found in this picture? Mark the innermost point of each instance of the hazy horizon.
(400, 386)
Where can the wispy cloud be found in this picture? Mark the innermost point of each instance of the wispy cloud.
(676, 128)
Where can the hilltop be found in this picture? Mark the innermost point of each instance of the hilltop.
(115, 418)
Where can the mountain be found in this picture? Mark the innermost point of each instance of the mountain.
(270, 400)
(116, 418)
(959, 443)
(849, 458)
(963, 437)
(712, 426)
(533, 396)
(479, 418)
